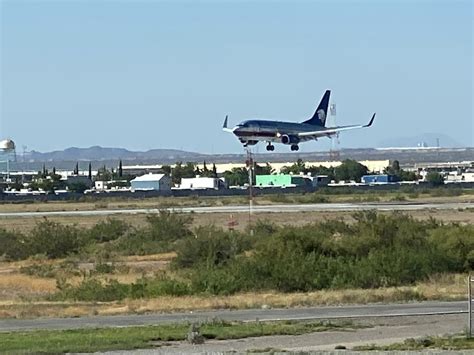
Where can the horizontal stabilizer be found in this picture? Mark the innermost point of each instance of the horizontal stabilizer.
(224, 126)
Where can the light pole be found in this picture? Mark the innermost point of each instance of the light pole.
(249, 163)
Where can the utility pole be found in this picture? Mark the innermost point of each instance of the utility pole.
(249, 162)
(470, 300)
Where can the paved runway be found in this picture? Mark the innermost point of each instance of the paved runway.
(374, 310)
(287, 208)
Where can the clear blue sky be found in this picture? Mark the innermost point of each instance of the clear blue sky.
(153, 74)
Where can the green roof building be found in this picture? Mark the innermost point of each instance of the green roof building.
(280, 180)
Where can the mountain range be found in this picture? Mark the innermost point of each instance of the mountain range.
(97, 153)
(100, 156)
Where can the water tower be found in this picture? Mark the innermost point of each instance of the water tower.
(7, 154)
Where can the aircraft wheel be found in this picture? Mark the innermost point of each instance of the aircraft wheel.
(270, 147)
(295, 147)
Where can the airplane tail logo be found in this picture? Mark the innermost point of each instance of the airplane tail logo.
(319, 117)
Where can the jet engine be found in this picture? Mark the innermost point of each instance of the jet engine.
(288, 139)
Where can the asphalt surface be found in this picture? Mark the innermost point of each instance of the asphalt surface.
(360, 311)
(322, 207)
(379, 331)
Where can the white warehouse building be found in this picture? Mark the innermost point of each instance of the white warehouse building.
(201, 183)
(151, 181)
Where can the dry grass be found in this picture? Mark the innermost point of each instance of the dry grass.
(242, 219)
(442, 287)
(17, 286)
(154, 257)
(169, 202)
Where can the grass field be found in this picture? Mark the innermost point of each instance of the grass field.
(464, 216)
(169, 202)
(92, 340)
(27, 287)
(25, 296)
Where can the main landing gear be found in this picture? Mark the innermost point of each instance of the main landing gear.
(295, 147)
(270, 147)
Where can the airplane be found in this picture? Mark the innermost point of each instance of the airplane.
(290, 133)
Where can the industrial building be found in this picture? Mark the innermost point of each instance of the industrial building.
(379, 179)
(281, 180)
(202, 183)
(318, 180)
(149, 182)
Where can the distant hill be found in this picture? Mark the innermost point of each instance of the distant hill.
(100, 156)
(426, 139)
(97, 153)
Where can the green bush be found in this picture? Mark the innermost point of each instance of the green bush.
(209, 246)
(446, 191)
(54, 240)
(169, 226)
(159, 286)
(104, 268)
(376, 251)
(91, 289)
(40, 270)
(12, 245)
(160, 235)
(434, 178)
(108, 230)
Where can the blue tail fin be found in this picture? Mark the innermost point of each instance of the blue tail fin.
(319, 117)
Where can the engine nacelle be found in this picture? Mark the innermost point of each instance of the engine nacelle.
(287, 139)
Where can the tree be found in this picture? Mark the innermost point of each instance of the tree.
(296, 168)
(76, 169)
(77, 186)
(394, 169)
(237, 176)
(17, 185)
(103, 174)
(321, 170)
(43, 173)
(120, 169)
(180, 171)
(263, 170)
(396, 166)
(214, 170)
(350, 170)
(166, 169)
(435, 178)
(90, 171)
(407, 175)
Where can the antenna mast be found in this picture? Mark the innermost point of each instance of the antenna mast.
(334, 152)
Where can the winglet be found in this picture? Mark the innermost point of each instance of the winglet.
(371, 121)
(225, 121)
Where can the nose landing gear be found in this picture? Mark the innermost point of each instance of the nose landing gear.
(270, 147)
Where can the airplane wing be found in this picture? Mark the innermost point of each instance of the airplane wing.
(224, 126)
(331, 131)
